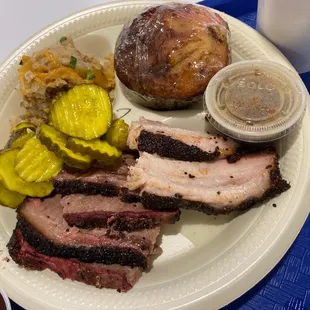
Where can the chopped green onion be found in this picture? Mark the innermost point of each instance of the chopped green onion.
(73, 61)
(90, 75)
(62, 39)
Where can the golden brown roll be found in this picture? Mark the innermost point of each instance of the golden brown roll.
(167, 55)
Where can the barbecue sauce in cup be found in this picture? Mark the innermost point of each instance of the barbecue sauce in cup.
(255, 101)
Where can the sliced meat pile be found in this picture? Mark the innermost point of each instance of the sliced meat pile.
(112, 276)
(157, 138)
(84, 232)
(100, 226)
(44, 228)
(179, 168)
(103, 257)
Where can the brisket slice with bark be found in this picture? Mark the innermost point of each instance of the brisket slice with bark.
(43, 227)
(107, 181)
(214, 187)
(117, 277)
(99, 211)
(176, 143)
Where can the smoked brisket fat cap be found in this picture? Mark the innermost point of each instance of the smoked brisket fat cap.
(167, 55)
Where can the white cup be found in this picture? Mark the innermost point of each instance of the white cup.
(286, 23)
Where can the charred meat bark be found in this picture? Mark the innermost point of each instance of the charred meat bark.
(181, 144)
(43, 227)
(213, 188)
(117, 277)
(99, 211)
(107, 182)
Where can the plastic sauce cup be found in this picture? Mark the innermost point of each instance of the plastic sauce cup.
(255, 101)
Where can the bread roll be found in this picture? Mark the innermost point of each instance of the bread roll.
(167, 55)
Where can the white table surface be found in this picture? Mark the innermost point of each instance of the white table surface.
(20, 19)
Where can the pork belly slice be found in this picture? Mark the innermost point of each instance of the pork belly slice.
(216, 187)
(99, 211)
(44, 228)
(108, 181)
(157, 138)
(121, 278)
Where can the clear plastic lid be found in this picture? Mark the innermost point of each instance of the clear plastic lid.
(255, 100)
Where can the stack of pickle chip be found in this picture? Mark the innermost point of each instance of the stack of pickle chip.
(80, 132)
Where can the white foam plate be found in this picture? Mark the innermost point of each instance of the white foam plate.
(207, 261)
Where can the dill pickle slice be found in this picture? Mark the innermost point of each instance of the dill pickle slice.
(56, 141)
(11, 181)
(10, 199)
(21, 141)
(96, 149)
(35, 163)
(24, 125)
(19, 137)
(117, 134)
(84, 112)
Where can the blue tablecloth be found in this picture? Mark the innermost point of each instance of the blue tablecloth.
(287, 286)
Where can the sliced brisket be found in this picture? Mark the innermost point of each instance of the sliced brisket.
(43, 227)
(181, 144)
(215, 187)
(99, 275)
(107, 182)
(99, 211)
